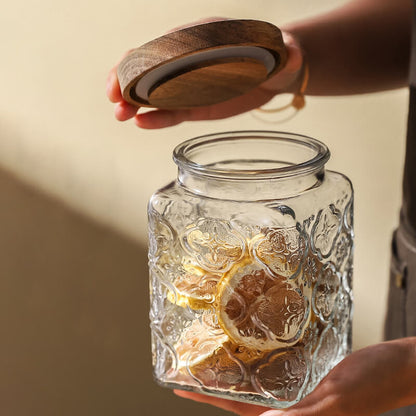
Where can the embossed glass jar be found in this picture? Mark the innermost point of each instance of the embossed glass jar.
(250, 260)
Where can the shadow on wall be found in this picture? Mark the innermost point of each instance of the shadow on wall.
(75, 337)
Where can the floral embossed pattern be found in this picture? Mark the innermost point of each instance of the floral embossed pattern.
(264, 313)
(214, 244)
(281, 250)
(161, 236)
(283, 375)
(250, 260)
(325, 230)
(325, 292)
(259, 310)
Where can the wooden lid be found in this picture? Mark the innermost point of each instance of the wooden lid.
(202, 65)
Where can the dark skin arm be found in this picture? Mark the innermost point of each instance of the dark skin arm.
(359, 48)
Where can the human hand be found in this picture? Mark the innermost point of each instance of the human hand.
(284, 81)
(368, 382)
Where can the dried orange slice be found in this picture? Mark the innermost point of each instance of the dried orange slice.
(259, 310)
(205, 354)
(195, 288)
(229, 367)
(199, 342)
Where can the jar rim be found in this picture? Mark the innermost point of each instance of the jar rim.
(182, 155)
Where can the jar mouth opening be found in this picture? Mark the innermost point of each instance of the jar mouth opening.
(251, 155)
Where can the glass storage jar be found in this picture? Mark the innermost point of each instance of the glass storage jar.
(250, 259)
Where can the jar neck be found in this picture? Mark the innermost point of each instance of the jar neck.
(249, 189)
(250, 165)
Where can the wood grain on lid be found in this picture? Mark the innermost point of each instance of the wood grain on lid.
(203, 82)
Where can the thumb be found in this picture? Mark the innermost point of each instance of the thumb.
(287, 79)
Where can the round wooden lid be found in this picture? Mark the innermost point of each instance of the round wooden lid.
(202, 65)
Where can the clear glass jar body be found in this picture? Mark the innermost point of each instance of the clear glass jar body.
(250, 261)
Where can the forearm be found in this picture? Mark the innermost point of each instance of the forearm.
(377, 378)
(361, 47)
(405, 385)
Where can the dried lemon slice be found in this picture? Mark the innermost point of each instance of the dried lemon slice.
(195, 288)
(258, 310)
(229, 367)
(197, 343)
(205, 353)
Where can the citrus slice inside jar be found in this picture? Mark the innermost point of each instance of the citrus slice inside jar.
(195, 288)
(199, 342)
(205, 353)
(258, 310)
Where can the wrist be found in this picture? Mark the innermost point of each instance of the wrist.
(297, 62)
(289, 79)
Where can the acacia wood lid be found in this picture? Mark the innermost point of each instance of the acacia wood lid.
(202, 65)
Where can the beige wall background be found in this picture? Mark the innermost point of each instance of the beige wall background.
(74, 184)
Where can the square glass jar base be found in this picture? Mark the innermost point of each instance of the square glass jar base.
(280, 386)
(244, 397)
